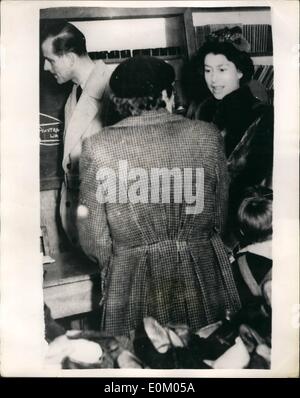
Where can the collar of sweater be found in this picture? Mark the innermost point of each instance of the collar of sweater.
(97, 80)
(263, 249)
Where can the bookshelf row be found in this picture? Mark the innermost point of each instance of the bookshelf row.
(259, 36)
(115, 56)
(265, 75)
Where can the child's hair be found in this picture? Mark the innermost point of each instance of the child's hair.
(258, 191)
(255, 216)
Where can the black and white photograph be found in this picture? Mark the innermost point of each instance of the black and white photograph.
(156, 197)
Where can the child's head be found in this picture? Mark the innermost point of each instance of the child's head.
(258, 191)
(255, 216)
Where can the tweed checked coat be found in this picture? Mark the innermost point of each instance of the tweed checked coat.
(156, 259)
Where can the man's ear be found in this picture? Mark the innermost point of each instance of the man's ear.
(240, 74)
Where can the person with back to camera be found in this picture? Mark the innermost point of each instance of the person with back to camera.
(66, 58)
(159, 256)
(245, 121)
(253, 267)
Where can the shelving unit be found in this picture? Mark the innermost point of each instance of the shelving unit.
(242, 16)
(262, 59)
(165, 57)
(108, 29)
(181, 21)
(120, 59)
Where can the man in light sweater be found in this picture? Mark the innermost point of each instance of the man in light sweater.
(66, 58)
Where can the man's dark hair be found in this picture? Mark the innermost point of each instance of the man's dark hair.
(66, 38)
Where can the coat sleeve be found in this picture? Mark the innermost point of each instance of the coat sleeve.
(93, 227)
(222, 185)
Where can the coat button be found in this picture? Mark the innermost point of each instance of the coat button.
(68, 203)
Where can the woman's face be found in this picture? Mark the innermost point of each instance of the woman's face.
(221, 75)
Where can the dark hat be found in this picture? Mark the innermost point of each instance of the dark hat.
(141, 76)
(233, 36)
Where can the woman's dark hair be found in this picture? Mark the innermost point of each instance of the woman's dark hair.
(134, 106)
(255, 218)
(241, 59)
(66, 38)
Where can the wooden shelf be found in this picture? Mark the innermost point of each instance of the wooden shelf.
(262, 59)
(261, 55)
(165, 58)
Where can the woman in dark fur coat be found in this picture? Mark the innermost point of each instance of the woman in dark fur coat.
(234, 105)
(245, 121)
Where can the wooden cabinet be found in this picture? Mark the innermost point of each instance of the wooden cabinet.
(71, 286)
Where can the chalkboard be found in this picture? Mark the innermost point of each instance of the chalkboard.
(52, 100)
(51, 131)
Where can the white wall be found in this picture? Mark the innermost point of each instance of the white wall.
(131, 34)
